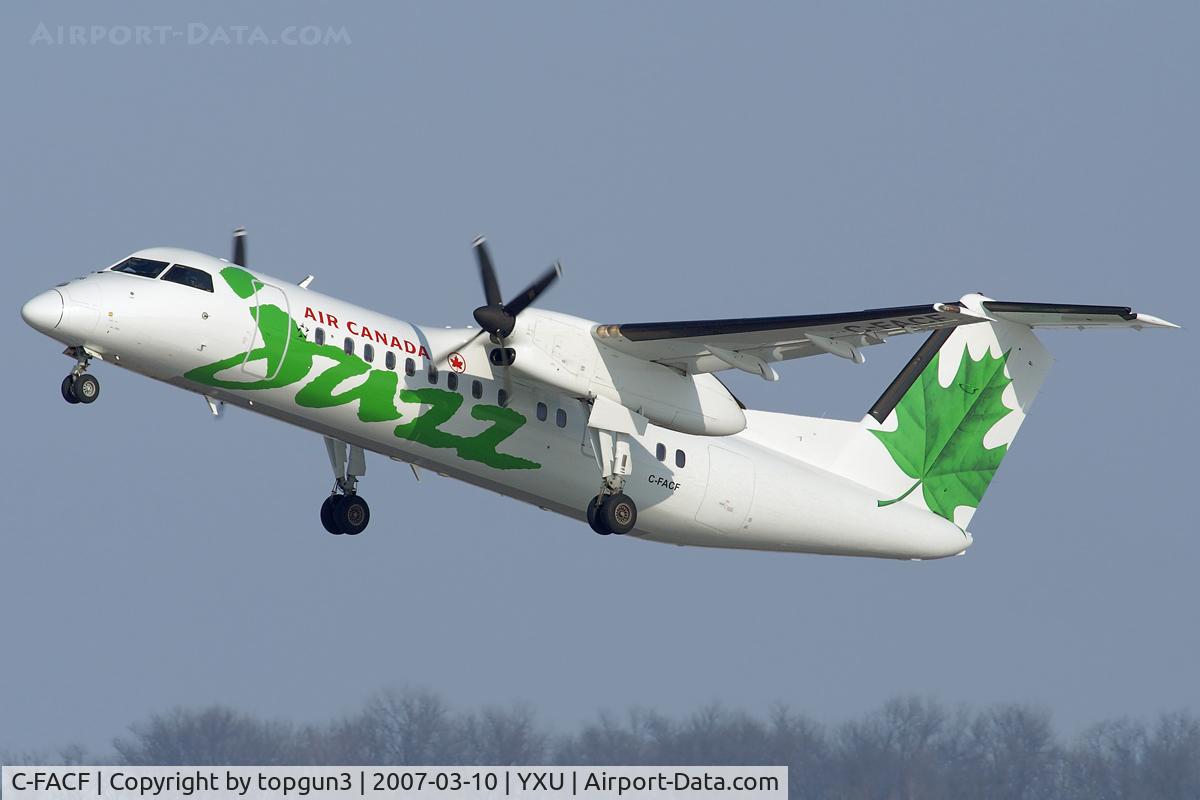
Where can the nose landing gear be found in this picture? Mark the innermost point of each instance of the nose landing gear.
(79, 386)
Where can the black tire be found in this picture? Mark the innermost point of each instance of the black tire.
(327, 515)
(86, 388)
(593, 517)
(68, 387)
(618, 513)
(351, 514)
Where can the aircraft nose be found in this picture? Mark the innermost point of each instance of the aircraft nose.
(44, 312)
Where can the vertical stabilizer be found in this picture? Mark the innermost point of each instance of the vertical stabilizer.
(937, 435)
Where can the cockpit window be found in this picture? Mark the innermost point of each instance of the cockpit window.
(145, 267)
(189, 276)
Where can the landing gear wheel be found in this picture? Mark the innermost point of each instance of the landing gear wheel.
(68, 390)
(327, 514)
(618, 513)
(86, 388)
(593, 517)
(351, 514)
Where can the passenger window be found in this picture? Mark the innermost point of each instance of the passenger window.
(348, 345)
(660, 452)
(319, 336)
(680, 459)
(432, 375)
(502, 398)
(560, 418)
(189, 276)
(368, 353)
(452, 381)
(542, 411)
(476, 389)
(144, 267)
(389, 360)
(410, 367)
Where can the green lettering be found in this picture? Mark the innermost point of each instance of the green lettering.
(376, 394)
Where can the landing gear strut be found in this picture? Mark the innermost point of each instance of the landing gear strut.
(344, 512)
(611, 511)
(79, 386)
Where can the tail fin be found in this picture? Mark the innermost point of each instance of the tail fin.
(939, 432)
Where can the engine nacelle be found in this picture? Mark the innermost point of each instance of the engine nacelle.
(559, 351)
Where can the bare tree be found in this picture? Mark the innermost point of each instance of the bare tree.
(912, 748)
(1172, 761)
(1106, 762)
(1013, 754)
(606, 739)
(214, 735)
(902, 751)
(503, 736)
(412, 726)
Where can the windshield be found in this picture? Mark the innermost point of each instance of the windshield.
(145, 267)
(190, 276)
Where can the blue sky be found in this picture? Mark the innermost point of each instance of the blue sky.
(683, 160)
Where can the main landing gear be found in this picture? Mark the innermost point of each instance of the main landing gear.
(79, 386)
(344, 512)
(610, 427)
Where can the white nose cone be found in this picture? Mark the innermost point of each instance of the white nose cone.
(44, 312)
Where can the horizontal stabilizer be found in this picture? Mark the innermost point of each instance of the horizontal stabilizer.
(1066, 315)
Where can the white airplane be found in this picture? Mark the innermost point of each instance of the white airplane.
(626, 426)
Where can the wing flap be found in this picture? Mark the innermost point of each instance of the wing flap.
(749, 344)
(752, 344)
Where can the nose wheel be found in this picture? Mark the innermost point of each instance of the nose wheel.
(82, 388)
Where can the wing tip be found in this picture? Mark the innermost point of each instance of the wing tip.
(1151, 321)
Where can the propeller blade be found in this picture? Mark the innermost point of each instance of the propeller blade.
(491, 287)
(239, 247)
(525, 298)
(508, 395)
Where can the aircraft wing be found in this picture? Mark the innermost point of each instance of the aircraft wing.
(751, 344)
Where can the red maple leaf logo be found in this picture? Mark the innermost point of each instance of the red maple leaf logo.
(457, 362)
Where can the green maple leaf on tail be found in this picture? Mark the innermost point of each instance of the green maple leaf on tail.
(938, 439)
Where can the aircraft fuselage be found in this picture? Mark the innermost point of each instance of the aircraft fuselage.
(424, 396)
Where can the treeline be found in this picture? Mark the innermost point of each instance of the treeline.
(910, 749)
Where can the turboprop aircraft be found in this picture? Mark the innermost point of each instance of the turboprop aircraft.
(625, 425)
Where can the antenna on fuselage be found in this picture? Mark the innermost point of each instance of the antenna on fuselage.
(239, 247)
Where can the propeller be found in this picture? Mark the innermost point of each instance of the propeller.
(495, 317)
(239, 247)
